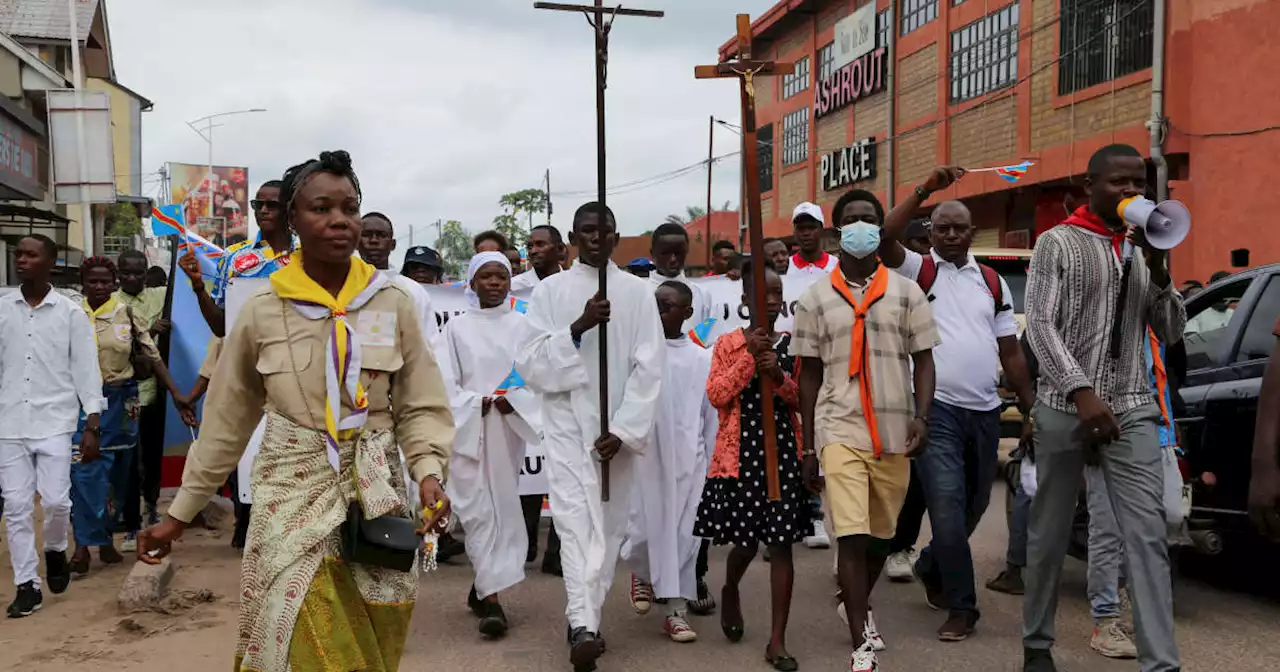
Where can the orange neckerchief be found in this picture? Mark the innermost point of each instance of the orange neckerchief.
(1162, 376)
(858, 367)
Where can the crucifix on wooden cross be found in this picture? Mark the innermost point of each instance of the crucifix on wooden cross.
(746, 69)
(601, 20)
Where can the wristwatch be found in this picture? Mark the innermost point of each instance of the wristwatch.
(96, 431)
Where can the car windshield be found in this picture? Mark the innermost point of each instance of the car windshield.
(1014, 272)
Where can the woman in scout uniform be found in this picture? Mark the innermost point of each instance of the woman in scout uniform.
(122, 338)
(333, 353)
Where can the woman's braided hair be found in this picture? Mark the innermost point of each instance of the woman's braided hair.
(96, 262)
(337, 162)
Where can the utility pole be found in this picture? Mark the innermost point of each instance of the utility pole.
(77, 75)
(711, 149)
(547, 193)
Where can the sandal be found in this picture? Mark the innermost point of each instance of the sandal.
(783, 662)
(732, 630)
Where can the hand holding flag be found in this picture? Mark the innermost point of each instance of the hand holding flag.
(1007, 173)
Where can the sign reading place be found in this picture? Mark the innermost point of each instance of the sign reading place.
(854, 163)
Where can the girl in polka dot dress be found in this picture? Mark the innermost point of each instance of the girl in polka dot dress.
(735, 505)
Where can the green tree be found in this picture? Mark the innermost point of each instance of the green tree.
(526, 202)
(508, 225)
(122, 220)
(454, 246)
(690, 213)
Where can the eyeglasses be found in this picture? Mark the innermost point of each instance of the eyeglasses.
(266, 205)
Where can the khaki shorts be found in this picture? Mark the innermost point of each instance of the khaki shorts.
(863, 493)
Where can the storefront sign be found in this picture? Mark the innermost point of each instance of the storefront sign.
(855, 35)
(18, 150)
(854, 163)
(859, 79)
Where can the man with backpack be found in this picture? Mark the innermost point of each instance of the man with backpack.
(972, 306)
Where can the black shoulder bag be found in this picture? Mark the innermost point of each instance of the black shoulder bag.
(142, 366)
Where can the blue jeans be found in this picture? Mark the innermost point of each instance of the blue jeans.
(124, 481)
(1017, 555)
(957, 470)
(90, 484)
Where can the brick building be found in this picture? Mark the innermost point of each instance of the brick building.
(993, 82)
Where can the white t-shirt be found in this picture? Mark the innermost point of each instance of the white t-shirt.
(968, 360)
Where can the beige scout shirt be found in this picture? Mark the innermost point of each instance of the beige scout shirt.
(256, 370)
(147, 306)
(114, 336)
(211, 354)
(898, 325)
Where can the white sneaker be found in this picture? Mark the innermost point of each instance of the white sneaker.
(898, 567)
(819, 537)
(130, 543)
(864, 659)
(871, 634)
(1110, 640)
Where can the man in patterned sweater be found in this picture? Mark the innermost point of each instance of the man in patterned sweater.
(1090, 300)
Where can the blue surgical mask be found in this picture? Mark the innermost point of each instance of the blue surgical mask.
(860, 238)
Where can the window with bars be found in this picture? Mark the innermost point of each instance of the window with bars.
(764, 139)
(916, 13)
(984, 55)
(1101, 40)
(797, 81)
(826, 61)
(795, 137)
(882, 27)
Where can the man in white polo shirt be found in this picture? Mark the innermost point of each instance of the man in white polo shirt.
(807, 225)
(972, 306)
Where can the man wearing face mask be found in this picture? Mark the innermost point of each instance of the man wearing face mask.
(975, 318)
(863, 410)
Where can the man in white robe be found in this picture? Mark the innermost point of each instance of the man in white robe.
(546, 252)
(667, 487)
(669, 248)
(496, 418)
(561, 360)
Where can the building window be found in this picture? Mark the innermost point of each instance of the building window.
(984, 55)
(882, 27)
(764, 140)
(1102, 40)
(795, 137)
(826, 61)
(797, 81)
(916, 13)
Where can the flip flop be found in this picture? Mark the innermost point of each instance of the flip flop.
(732, 631)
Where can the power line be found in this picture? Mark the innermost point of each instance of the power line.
(1224, 134)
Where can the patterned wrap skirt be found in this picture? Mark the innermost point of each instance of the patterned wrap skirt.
(302, 608)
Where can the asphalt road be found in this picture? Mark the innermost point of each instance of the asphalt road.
(80, 630)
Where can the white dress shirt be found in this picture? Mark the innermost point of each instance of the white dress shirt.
(525, 281)
(968, 360)
(48, 367)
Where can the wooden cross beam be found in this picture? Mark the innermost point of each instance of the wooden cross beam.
(746, 69)
(601, 20)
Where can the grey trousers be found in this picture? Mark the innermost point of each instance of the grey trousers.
(1134, 474)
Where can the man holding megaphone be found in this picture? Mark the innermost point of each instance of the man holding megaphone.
(1090, 300)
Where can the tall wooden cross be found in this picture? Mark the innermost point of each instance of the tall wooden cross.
(746, 69)
(601, 20)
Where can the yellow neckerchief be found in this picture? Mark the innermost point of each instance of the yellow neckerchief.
(108, 307)
(343, 363)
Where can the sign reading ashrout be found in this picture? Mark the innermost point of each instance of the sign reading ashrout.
(862, 77)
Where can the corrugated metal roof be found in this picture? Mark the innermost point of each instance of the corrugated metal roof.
(45, 19)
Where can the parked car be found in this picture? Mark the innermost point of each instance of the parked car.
(1228, 341)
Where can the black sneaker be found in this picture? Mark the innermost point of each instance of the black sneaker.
(584, 649)
(474, 603)
(551, 565)
(493, 622)
(705, 604)
(1009, 582)
(27, 602)
(449, 548)
(57, 571)
(1037, 660)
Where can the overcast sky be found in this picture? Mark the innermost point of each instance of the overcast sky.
(444, 105)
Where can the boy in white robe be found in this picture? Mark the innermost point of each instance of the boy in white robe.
(661, 548)
(560, 360)
(669, 248)
(495, 418)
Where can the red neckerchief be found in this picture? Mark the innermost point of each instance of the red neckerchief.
(800, 262)
(1094, 224)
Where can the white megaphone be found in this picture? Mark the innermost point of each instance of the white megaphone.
(1166, 224)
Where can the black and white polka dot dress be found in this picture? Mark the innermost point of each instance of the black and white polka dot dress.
(738, 510)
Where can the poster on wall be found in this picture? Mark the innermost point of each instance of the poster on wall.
(215, 200)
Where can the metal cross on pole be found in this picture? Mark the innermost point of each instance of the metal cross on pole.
(601, 20)
(746, 69)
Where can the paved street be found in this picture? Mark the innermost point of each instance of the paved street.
(81, 630)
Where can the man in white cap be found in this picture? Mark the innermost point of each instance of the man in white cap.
(807, 225)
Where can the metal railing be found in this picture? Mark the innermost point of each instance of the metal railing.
(1101, 40)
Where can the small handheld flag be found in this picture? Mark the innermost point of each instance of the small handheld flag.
(511, 382)
(1007, 173)
(701, 333)
(166, 220)
(518, 305)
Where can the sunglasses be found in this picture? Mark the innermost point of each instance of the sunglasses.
(266, 205)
